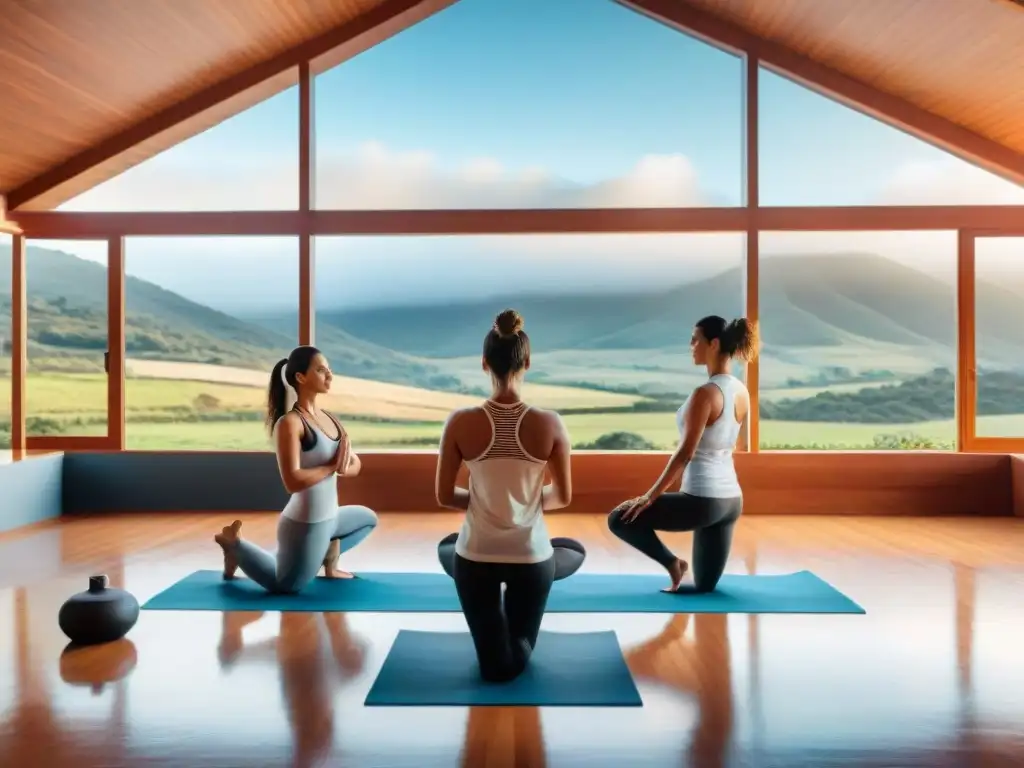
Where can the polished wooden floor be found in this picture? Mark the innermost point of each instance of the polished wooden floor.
(933, 675)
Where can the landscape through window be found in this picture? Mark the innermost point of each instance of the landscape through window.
(610, 348)
(859, 332)
(999, 336)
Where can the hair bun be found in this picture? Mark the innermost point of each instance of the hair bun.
(508, 323)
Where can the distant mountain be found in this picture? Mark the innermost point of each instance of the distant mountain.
(838, 300)
(68, 314)
(805, 301)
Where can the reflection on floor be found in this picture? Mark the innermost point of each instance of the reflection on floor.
(931, 676)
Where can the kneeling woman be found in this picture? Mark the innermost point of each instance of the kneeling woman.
(507, 445)
(710, 500)
(312, 448)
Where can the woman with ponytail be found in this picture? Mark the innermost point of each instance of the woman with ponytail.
(710, 500)
(312, 448)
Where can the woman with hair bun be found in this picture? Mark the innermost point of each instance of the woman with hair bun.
(507, 447)
(710, 500)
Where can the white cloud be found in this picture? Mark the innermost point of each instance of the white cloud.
(950, 182)
(375, 176)
(357, 270)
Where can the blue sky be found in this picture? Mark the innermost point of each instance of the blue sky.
(581, 88)
(539, 103)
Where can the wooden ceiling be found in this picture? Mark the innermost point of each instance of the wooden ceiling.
(82, 83)
(960, 59)
(90, 88)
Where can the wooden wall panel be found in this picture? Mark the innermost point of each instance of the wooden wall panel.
(877, 483)
(1017, 483)
(774, 483)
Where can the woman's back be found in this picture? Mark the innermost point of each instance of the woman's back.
(506, 447)
(502, 556)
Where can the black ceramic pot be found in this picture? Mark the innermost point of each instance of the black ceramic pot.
(100, 615)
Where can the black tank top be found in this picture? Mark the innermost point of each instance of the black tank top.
(308, 440)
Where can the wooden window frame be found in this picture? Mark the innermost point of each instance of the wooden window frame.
(307, 223)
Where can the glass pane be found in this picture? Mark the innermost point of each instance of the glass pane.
(66, 387)
(998, 339)
(607, 109)
(403, 319)
(206, 320)
(815, 151)
(859, 333)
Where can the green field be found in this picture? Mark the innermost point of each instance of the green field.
(206, 412)
(843, 366)
(657, 427)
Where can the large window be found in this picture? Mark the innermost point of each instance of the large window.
(859, 334)
(206, 320)
(402, 320)
(532, 104)
(815, 151)
(999, 336)
(249, 162)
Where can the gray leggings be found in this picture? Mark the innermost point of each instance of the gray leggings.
(711, 519)
(301, 548)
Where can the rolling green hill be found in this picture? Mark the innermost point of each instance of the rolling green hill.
(848, 319)
(805, 301)
(67, 318)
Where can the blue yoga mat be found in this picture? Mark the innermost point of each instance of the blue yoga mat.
(566, 670)
(801, 592)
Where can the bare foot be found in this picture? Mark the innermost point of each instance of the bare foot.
(337, 573)
(228, 538)
(331, 570)
(677, 570)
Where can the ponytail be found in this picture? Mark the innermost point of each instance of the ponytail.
(276, 395)
(740, 339)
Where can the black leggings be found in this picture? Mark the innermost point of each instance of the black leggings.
(504, 631)
(711, 520)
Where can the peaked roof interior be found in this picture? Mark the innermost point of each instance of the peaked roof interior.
(962, 60)
(90, 89)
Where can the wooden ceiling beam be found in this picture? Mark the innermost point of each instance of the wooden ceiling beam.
(890, 109)
(7, 227)
(218, 102)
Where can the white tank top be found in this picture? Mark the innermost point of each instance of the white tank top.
(505, 519)
(711, 472)
(318, 502)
